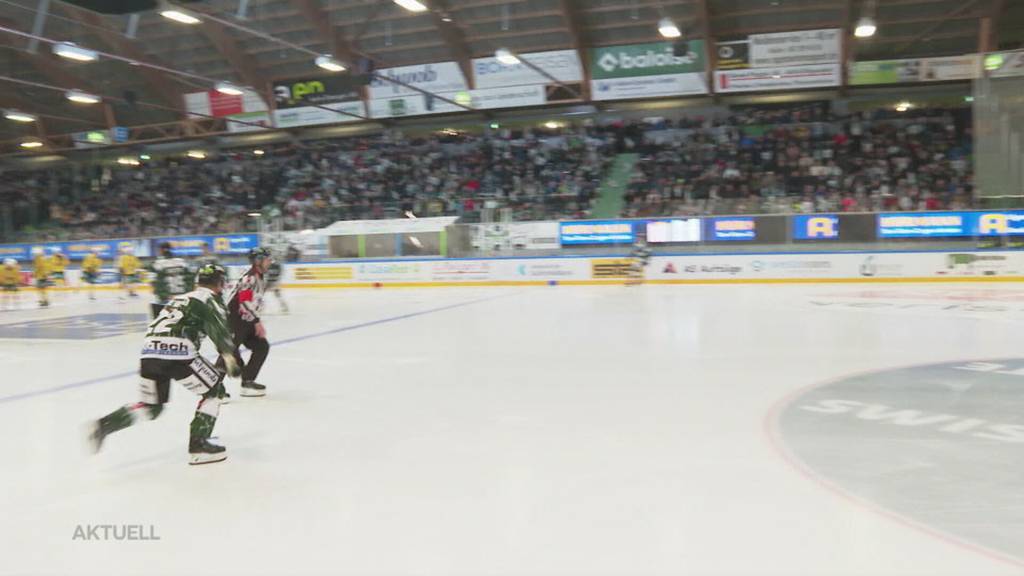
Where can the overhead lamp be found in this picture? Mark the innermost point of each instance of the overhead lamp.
(329, 63)
(179, 16)
(866, 27)
(128, 161)
(668, 28)
(197, 154)
(258, 152)
(412, 5)
(73, 51)
(552, 125)
(19, 116)
(229, 89)
(505, 56)
(145, 157)
(904, 106)
(32, 144)
(81, 97)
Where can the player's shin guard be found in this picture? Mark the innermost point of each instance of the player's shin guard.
(200, 450)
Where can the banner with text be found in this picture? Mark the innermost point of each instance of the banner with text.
(564, 65)
(795, 48)
(646, 71)
(788, 78)
(437, 77)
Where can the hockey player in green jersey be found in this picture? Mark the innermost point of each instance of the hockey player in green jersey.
(171, 277)
(171, 352)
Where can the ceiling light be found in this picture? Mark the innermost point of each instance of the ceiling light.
(144, 157)
(197, 154)
(179, 16)
(552, 125)
(73, 51)
(505, 56)
(258, 152)
(31, 144)
(904, 106)
(668, 28)
(866, 28)
(128, 161)
(19, 116)
(81, 97)
(329, 63)
(229, 89)
(446, 17)
(412, 5)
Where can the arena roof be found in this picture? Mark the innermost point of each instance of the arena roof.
(287, 32)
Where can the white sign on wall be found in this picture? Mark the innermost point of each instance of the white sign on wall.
(787, 78)
(510, 97)
(562, 64)
(417, 104)
(794, 48)
(437, 77)
(310, 115)
(966, 67)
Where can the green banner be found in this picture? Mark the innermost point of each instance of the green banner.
(645, 60)
(885, 72)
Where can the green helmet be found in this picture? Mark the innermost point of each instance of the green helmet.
(211, 275)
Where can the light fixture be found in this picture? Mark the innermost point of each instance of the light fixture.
(128, 161)
(904, 106)
(179, 16)
(258, 152)
(446, 17)
(73, 51)
(505, 56)
(668, 28)
(329, 63)
(19, 116)
(197, 154)
(229, 89)
(81, 97)
(866, 28)
(145, 157)
(412, 5)
(552, 125)
(31, 144)
(254, 214)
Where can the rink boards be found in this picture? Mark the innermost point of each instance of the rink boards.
(671, 269)
(805, 267)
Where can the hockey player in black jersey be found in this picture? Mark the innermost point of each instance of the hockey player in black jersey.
(245, 304)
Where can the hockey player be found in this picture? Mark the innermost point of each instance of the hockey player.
(171, 352)
(244, 307)
(128, 266)
(58, 264)
(171, 277)
(41, 271)
(641, 257)
(91, 271)
(274, 273)
(10, 279)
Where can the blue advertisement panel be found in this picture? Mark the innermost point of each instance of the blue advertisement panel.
(597, 232)
(951, 224)
(816, 227)
(222, 244)
(76, 250)
(731, 228)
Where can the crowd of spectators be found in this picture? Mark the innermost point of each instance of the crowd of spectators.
(755, 160)
(861, 163)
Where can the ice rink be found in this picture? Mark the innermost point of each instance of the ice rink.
(538, 431)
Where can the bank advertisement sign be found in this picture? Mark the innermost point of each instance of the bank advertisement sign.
(951, 224)
(647, 70)
(596, 232)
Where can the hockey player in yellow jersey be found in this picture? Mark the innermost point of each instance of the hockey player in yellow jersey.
(128, 265)
(10, 280)
(58, 263)
(91, 272)
(41, 272)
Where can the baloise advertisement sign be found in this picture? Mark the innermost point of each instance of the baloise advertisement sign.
(647, 70)
(297, 101)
